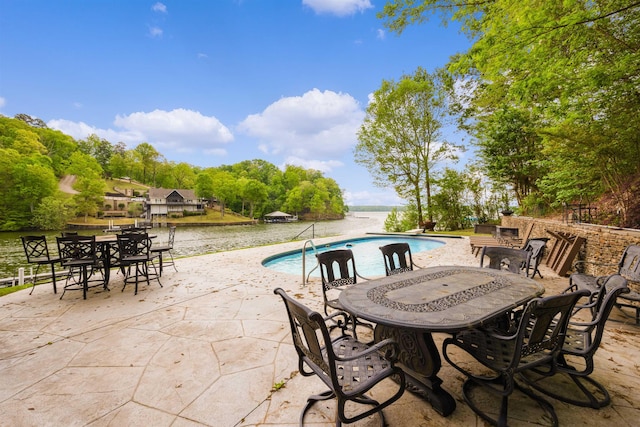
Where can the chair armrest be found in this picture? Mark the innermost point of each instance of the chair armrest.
(341, 322)
(391, 353)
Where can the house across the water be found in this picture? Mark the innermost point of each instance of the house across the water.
(163, 203)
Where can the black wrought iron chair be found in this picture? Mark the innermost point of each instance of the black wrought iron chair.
(537, 341)
(338, 270)
(573, 384)
(504, 258)
(37, 252)
(628, 267)
(537, 248)
(397, 258)
(79, 255)
(135, 254)
(347, 366)
(159, 250)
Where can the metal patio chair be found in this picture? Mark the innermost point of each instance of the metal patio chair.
(347, 366)
(135, 253)
(628, 267)
(397, 258)
(504, 258)
(338, 270)
(80, 256)
(580, 345)
(37, 252)
(159, 250)
(537, 248)
(536, 342)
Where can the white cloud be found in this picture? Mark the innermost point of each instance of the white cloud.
(159, 7)
(320, 165)
(3, 102)
(155, 32)
(338, 7)
(81, 130)
(178, 130)
(317, 126)
(381, 34)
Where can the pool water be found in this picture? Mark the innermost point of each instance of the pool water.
(366, 252)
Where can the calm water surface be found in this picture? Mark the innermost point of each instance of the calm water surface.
(203, 240)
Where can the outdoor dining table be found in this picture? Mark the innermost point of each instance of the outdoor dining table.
(410, 306)
(109, 251)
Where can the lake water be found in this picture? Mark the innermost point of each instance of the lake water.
(203, 240)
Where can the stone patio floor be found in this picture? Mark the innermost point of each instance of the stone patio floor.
(208, 347)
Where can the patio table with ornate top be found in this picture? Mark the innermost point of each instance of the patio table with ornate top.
(410, 306)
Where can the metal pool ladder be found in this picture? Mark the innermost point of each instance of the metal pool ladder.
(305, 277)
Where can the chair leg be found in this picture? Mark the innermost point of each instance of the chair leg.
(311, 400)
(53, 278)
(581, 391)
(34, 279)
(502, 420)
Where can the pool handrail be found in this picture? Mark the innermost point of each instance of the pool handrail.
(305, 277)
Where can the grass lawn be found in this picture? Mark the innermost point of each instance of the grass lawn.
(212, 216)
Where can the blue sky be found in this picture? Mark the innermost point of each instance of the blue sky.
(215, 82)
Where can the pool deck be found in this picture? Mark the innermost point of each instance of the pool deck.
(208, 347)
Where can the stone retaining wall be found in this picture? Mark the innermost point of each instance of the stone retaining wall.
(604, 245)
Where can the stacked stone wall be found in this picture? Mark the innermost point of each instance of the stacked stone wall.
(603, 245)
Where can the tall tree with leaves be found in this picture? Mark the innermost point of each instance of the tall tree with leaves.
(400, 141)
(573, 63)
(148, 157)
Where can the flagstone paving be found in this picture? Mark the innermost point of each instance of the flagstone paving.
(211, 348)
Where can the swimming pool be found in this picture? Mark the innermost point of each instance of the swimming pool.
(366, 252)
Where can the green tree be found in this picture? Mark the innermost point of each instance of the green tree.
(89, 183)
(252, 192)
(400, 141)
(573, 64)
(53, 213)
(204, 185)
(452, 205)
(225, 189)
(34, 180)
(148, 157)
(510, 149)
(392, 222)
(100, 149)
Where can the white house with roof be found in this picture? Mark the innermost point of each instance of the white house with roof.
(162, 203)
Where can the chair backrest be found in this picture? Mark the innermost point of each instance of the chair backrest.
(504, 258)
(629, 265)
(133, 230)
(397, 258)
(77, 248)
(132, 244)
(536, 246)
(612, 286)
(337, 268)
(543, 325)
(35, 248)
(311, 340)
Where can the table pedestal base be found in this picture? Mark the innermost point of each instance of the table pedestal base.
(420, 361)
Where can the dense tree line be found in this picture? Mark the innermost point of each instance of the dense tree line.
(550, 93)
(33, 158)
